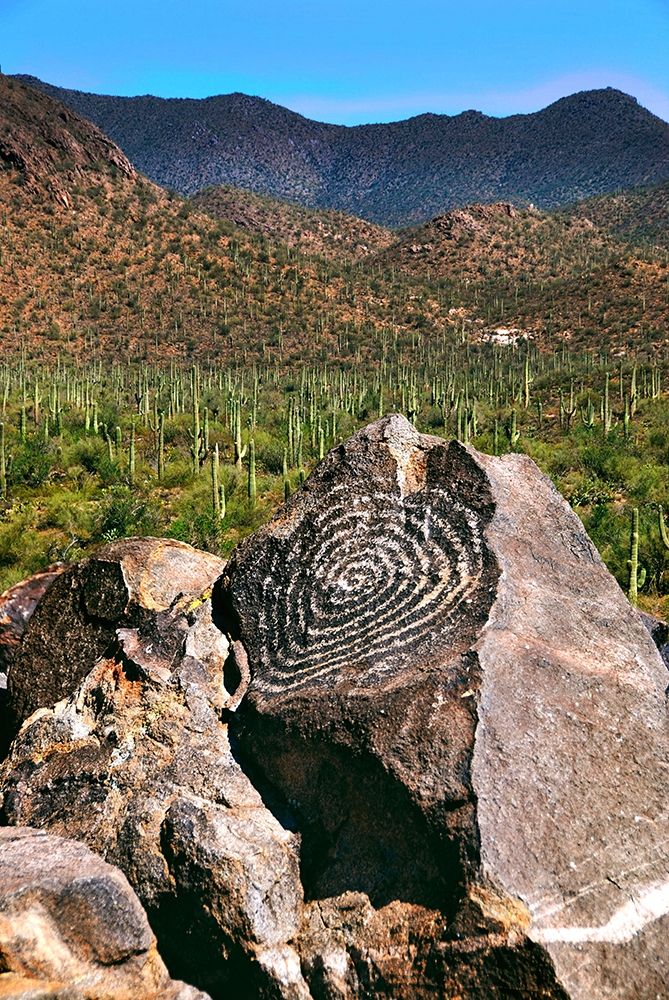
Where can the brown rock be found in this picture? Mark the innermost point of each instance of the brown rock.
(53, 148)
(138, 765)
(75, 622)
(16, 607)
(402, 950)
(71, 926)
(453, 695)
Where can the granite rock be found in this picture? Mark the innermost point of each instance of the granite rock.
(453, 696)
(71, 926)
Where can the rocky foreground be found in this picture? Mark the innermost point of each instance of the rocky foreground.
(410, 742)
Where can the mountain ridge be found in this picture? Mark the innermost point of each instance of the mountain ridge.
(393, 174)
(119, 265)
(36, 82)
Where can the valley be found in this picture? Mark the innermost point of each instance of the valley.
(504, 326)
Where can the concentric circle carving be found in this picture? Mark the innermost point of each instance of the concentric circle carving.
(363, 582)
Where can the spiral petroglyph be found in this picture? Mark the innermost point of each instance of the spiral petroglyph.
(377, 565)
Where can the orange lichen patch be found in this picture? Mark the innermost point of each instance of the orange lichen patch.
(13, 986)
(511, 913)
(58, 751)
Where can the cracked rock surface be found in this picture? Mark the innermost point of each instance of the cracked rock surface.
(135, 762)
(411, 741)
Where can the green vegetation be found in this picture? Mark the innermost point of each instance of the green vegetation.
(89, 453)
(294, 351)
(638, 215)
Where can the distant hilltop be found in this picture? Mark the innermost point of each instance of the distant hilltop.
(398, 174)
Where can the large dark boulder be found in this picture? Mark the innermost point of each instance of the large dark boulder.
(17, 605)
(451, 694)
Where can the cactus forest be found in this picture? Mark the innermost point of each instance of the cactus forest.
(206, 452)
(165, 371)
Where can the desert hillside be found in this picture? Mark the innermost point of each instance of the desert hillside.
(393, 174)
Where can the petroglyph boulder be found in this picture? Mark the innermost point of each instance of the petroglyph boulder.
(451, 694)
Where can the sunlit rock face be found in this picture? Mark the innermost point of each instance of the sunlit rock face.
(71, 926)
(450, 691)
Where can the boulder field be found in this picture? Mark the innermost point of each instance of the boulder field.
(410, 741)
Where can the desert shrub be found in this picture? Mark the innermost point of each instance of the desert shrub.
(122, 513)
(582, 489)
(31, 463)
(269, 453)
(71, 510)
(178, 473)
(92, 455)
(23, 549)
(200, 529)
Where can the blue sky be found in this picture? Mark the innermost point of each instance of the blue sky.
(347, 61)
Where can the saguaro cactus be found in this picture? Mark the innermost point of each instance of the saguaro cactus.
(637, 574)
(3, 463)
(131, 455)
(197, 448)
(240, 450)
(161, 445)
(217, 490)
(252, 472)
(514, 433)
(664, 531)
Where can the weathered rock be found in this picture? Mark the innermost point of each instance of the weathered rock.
(127, 582)
(404, 951)
(453, 695)
(138, 765)
(71, 926)
(659, 633)
(16, 608)
(446, 772)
